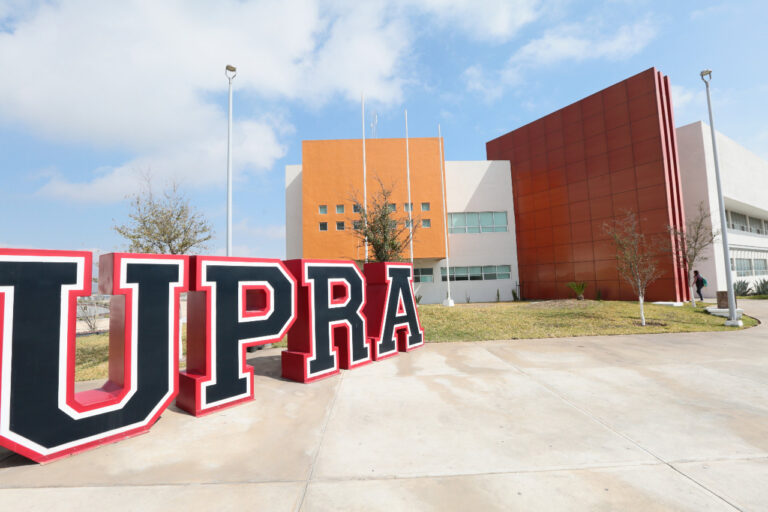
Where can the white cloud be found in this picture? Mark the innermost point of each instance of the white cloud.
(484, 20)
(147, 78)
(568, 42)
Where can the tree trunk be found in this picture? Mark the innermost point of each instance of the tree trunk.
(642, 311)
(693, 296)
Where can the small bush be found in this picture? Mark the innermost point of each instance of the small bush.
(761, 287)
(741, 288)
(514, 296)
(498, 295)
(578, 289)
(599, 294)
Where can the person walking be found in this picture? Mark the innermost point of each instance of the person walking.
(699, 282)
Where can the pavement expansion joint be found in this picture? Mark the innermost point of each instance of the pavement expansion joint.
(326, 420)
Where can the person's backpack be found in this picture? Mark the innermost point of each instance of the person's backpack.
(705, 281)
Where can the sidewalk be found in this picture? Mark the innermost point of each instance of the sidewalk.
(650, 422)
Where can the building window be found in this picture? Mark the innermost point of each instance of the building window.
(392, 207)
(408, 223)
(756, 226)
(739, 222)
(407, 207)
(357, 224)
(340, 225)
(743, 267)
(477, 222)
(356, 208)
(423, 275)
(323, 226)
(426, 223)
(339, 208)
(761, 267)
(425, 207)
(478, 273)
(323, 209)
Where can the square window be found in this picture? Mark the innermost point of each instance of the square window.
(323, 226)
(392, 207)
(340, 225)
(426, 223)
(408, 223)
(407, 207)
(357, 224)
(425, 207)
(323, 209)
(356, 208)
(339, 208)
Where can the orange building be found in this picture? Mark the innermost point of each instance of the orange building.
(332, 177)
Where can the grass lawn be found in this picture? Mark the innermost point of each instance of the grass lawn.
(500, 321)
(550, 319)
(758, 297)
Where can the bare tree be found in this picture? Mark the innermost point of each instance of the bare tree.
(689, 245)
(164, 224)
(380, 227)
(636, 255)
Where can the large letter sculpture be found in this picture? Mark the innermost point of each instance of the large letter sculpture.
(391, 309)
(41, 416)
(330, 332)
(236, 303)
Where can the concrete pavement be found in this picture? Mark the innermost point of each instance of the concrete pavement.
(656, 422)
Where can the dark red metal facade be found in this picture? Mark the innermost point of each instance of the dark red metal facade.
(586, 164)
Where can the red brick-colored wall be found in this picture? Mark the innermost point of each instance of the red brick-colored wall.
(586, 164)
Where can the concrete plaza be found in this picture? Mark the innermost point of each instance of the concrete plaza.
(653, 422)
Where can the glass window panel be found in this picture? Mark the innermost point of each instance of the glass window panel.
(425, 207)
(500, 229)
(755, 225)
(340, 226)
(426, 223)
(739, 221)
(502, 275)
(392, 207)
(475, 229)
(458, 220)
(357, 224)
(323, 209)
(487, 229)
(486, 219)
(504, 268)
(475, 273)
(500, 219)
(462, 274)
(339, 208)
(761, 267)
(456, 230)
(407, 206)
(356, 208)
(323, 226)
(743, 267)
(472, 220)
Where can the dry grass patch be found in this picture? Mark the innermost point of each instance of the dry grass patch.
(561, 318)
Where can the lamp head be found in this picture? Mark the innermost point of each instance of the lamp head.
(706, 75)
(230, 71)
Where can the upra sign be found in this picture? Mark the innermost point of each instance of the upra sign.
(335, 317)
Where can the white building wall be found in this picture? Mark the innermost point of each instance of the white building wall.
(476, 186)
(293, 209)
(744, 178)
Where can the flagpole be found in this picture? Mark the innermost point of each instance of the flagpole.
(365, 188)
(408, 177)
(448, 301)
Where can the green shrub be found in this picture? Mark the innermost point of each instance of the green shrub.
(761, 287)
(578, 289)
(741, 288)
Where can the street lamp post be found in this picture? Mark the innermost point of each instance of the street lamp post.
(230, 72)
(706, 77)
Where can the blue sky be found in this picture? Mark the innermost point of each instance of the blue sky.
(94, 94)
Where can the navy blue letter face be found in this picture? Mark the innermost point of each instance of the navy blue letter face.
(237, 302)
(40, 415)
(400, 312)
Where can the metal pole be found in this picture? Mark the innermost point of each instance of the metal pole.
(448, 300)
(227, 71)
(732, 320)
(408, 178)
(365, 188)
